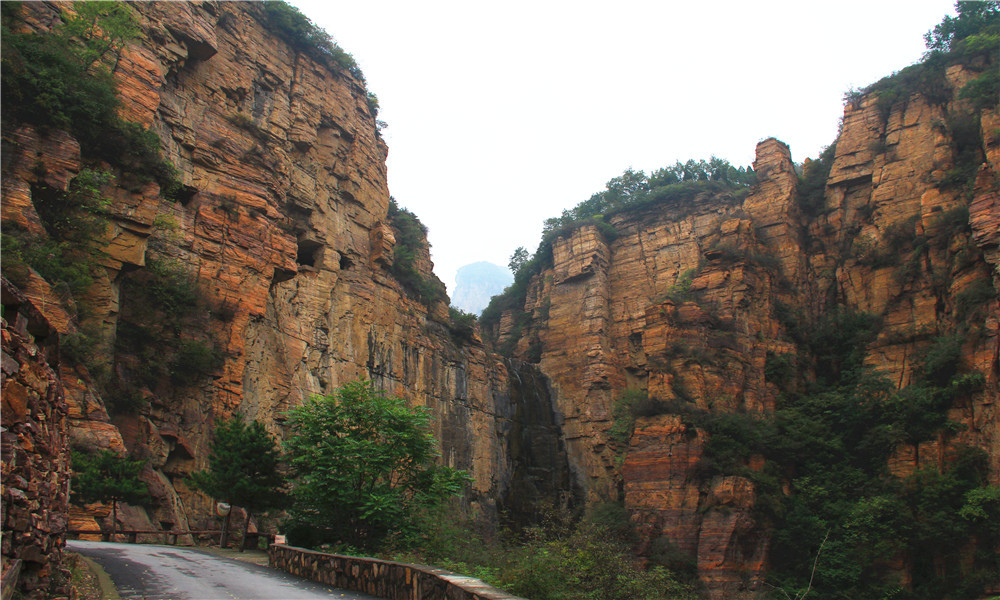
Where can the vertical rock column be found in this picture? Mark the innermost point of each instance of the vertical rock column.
(578, 356)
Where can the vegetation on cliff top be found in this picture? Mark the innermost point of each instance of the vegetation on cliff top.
(303, 35)
(631, 191)
(411, 242)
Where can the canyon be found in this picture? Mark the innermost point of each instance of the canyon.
(284, 223)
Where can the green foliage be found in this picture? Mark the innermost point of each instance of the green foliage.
(62, 79)
(587, 565)
(243, 467)
(194, 360)
(363, 463)
(411, 240)
(161, 332)
(839, 342)
(973, 303)
(966, 140)
(984, 91)
(825, 477)
(811, 191)
(974, 19)
(518, 259)
(301, 34)
(560, 559)
(461, 324)
(106, 477)
(623, 424)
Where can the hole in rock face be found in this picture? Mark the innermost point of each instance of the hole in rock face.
(345, 262)
(308, 254)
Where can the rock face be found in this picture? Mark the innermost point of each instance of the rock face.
(35, 450)
(686, 304)
(279, 256)
(281, 230)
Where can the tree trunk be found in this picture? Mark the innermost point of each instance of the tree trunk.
(224, 541)
(114, 518)
(246, 528)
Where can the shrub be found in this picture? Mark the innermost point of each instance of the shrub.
(61, 79)
(811, 191)
(301, 34)
(363, 462)
(411, 239)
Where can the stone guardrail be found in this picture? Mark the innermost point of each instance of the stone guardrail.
(382, 578)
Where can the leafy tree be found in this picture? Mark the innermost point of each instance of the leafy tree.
(107, 477)
(363, 463)
(974, 18)
(242, 470)
(518, 259)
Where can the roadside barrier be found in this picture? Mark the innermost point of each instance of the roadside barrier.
(382, 578)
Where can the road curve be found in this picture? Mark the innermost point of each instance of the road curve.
(147, 572)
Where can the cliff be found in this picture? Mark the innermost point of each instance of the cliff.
(266, 274)
(691, 356)
(703, 308)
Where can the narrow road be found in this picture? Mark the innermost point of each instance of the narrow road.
(146, 572)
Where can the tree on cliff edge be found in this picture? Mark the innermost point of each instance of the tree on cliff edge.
(363, 462)
(243, 471)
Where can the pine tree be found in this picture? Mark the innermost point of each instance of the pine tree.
(242, 471)
(107, 477)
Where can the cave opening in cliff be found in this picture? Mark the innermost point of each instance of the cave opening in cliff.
(308, 253)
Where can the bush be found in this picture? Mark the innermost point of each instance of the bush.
(811, 191)
(301, 34)
(411, 239)
(364, 463)
(62, 80)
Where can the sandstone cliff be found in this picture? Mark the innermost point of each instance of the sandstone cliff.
(267, 276)
(268, 280)
(689, 301)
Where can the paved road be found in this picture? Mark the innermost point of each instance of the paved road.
(146, 572)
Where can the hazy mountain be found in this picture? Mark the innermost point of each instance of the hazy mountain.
(476, 283)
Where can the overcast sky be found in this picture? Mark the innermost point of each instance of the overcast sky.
(503, 114)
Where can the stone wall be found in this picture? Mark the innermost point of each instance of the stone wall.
(385, 579)
(35, 450)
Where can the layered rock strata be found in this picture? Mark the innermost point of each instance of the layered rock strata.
(282, 226)
(687, 301)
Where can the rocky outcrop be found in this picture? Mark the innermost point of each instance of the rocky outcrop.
(280, 226)
(688, 300)
(35, 450)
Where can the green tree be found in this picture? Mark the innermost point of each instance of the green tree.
(363, 463)
(107, 477)
(242, 470)
(518, 259)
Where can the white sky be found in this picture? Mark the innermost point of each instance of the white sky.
(501, 115)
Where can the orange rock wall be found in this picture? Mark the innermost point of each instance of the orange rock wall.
(682, 305)
(283, 223)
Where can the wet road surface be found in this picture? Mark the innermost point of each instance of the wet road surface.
(147, 572)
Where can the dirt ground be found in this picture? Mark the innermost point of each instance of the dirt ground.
(87, 579)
